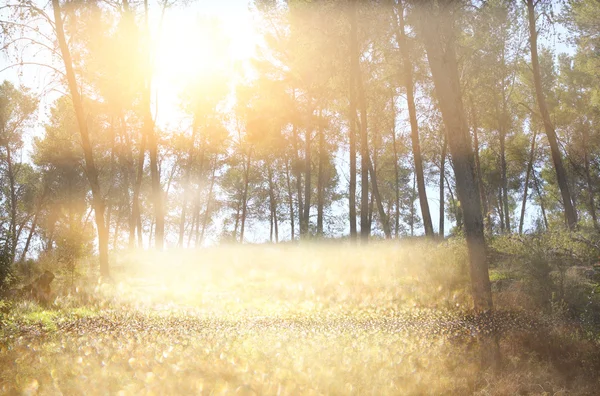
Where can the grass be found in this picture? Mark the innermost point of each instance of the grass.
(385, 319)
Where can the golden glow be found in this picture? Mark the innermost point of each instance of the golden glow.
(196, 51)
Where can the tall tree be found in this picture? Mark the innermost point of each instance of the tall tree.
(561, 175)
(436, 26)
(91, 170)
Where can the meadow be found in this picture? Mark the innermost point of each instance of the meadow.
(282, 320)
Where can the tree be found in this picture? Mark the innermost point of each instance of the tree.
(561, 175)
(436, 27)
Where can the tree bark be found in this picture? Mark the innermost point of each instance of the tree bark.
(561, 175)
(91, 171)
(414, 125)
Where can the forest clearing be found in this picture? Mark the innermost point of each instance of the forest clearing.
(336, 319)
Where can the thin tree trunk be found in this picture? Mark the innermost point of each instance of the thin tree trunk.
(272, 203)
(321, 176)
(414, 126)
(441, 231)
(352, 139)
(298, 173)
(186, 187)
(290, 197)
(29, 236)
(13, 204)
(380, 209)
(588, 178)
(541, 198)
(396, 178)
(91, 171)
(365, 229)
(527, 174)
(245, 196)
(482, 193)
(501, 211)
(208, 203)
(307, 182)
(561, 175)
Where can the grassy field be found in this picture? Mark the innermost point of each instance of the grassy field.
(286, 320)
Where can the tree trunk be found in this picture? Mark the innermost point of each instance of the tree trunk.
(298, 173)
(307, 183)
(436, 27)
(527, 174)
(290, 197)
(365, 229)
(321, 176)
(588, 178)
(561, 175)
(482, 193)
(245, 195)
(441, 231)
(396, 170)
(91, 171)
(381, 211)
(186, 187)
(414, 125)
(273, 203)
(541, 198)
(13, 204)
(208, 203)
(352, 139)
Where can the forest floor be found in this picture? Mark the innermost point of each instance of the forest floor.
(387, 319)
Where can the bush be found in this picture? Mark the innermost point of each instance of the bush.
(553, 272)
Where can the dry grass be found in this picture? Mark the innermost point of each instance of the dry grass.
(386, 319)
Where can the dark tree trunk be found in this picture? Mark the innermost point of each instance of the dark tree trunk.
(245, 195)
(540, 197)
(298, 172)
(482, 193)
(437, 30)
(290, 198)
(526, 185)
(441, 230)
(186, 187)
(561, 175)
(208, 204)
(588, 178)
(352, 139)
(365, 229)
(91, 171)
(273, 204)
(321, 177)
(396, 171)
(307, 182)
(414, 125)
(13, 204)
(380, 209)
